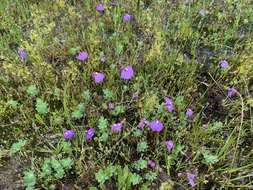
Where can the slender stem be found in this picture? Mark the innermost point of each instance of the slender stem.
(240, 127)
(138, 5)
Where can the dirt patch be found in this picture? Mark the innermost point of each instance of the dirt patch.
(214, 108)
(10, 178)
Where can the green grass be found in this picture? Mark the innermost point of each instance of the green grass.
(175, 52)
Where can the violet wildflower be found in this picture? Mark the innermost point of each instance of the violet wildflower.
(90, 133)
(82, 56)
(152, 164)
(223, 64)
(169, 104)
(142, 123)
(116, 127)
(111, 105)
(191, 179)
(169, 145)
(232, 92)
(22, 53)
(98, 77)
(156, 126)
(69, 134)
(127, 17)
(100, 8)
(189, 112)
(127, 72)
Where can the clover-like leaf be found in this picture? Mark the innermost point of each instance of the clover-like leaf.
(41, 106)
(32, 90)
(29, 180)
(17, 146)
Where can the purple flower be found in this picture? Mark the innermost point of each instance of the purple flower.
(152, 164)
(156, 126)
(127, 72)
(90, 133)
(69, 134)
(169, 145)
(100, 8)
(22, 53)
(98, 77)
(142, 123)
(111, 105)
(117, 127)
(232, 92)
(127, 17)
(82, 56)
(191, 179)
(223, 64)
(189, 112)
(169, 104)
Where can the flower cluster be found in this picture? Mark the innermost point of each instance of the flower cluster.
(126, 73)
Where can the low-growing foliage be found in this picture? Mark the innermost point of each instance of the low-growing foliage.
(17, 146)
(125, 179)
(41, 106)
(53, 169)
(29, 180)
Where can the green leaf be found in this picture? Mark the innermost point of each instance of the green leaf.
(93, 188)
(124, 175)
(77, 114)
(74, 50)
(137, 133)
(101, 176)
(86, 95)
(145, 186)
(17, 146)
(118, 110)
(119, 48)
(66, 163)
(29, 180)
(167, 185)
(41, 106)
(32, 90)
(150, 176)
(104, 137)
(110, 171)
(13, 104)
(216, 126)
(55, 169)
(135, 179)
(179, 102)
(140, 164)
(79, 111)
(209, 158)
(102, 123)
(108, 94)
(46, 169)
(66, 146)
(142, 146)
(58, 168)
(39, 119)
(57, 92)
